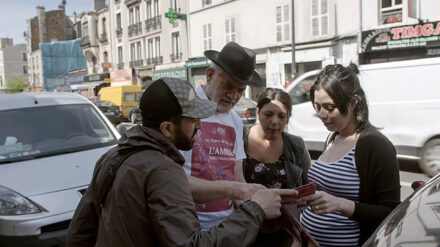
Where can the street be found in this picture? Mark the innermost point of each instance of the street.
(409, 172)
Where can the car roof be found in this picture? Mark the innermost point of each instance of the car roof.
(26, 100)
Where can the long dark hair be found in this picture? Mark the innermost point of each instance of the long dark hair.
(270, 94)
(342, 84)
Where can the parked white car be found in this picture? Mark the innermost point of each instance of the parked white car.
(404, 102)
(49, 144)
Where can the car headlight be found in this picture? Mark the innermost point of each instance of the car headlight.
(12, 203)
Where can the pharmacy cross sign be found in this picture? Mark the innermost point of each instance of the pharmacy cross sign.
(172, 15)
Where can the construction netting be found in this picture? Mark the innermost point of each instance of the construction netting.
(58, 58)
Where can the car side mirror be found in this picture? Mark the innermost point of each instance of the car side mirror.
(417, 185)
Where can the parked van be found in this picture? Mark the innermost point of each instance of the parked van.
(404, 102)
(126, 97)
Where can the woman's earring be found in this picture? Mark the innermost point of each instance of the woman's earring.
(359, 117)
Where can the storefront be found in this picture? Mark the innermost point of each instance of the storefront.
(197, 70)
(401, 43)
(180, 72)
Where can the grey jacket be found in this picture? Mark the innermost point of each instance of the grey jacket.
(150, 202)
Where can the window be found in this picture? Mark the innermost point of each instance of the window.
(157, 44)
(25, 69)
(131, 16)
(138, 97)
(118, 20)
(149, 10)
(129, 97)
(230, 29)
(138, 51)
(120, 57)
(175, 44)
(319, 18)
(104, 26)
(156, 7)
(150, 48)
(283, 22)
(173, 4)
(24, 57)
(85, 32)
(105, 56)
(132, 52)
(207, 38)
(206, 3)
(390, 11)
(137, 14)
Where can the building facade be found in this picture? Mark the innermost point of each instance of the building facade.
(324, 33)
(144, 39)
(13, 64)
(399, 30)
(47, 26)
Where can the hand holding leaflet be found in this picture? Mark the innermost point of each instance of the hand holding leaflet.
(304, 190)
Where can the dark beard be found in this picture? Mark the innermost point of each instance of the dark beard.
(182, 142)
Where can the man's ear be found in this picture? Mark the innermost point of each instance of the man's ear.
(167, 129)
(209, 74)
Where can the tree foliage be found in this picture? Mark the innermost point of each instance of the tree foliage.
(15, 85)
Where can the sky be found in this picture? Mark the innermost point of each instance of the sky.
(14, 14)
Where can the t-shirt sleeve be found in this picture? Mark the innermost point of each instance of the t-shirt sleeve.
(187, 165)
(239, 145)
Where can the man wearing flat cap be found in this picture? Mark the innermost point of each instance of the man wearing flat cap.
(214, 165)
(139, 194)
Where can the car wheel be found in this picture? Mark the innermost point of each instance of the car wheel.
(430, 157)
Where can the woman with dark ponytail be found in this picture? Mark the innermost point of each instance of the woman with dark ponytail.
(357, 174)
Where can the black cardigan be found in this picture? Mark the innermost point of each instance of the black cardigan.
(379, 190)
(296, 157)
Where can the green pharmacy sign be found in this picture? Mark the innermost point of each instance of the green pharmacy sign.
(173, 15)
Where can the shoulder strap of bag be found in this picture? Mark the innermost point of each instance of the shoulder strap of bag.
(108, 180)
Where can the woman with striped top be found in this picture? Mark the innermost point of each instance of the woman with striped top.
(357, 175)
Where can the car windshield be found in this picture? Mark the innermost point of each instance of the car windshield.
(30, 133)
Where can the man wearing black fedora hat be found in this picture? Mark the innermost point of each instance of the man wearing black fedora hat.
(139, 194)
(213, 165)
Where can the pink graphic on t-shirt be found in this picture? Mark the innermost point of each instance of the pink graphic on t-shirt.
(213, 158)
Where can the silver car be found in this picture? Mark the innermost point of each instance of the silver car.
(49, 144)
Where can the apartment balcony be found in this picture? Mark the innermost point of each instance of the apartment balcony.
(153, 24)
(120, 65)
(130, 2)
(103, 38)
(135, 29)
(154, 60)
(85, 41)
(136, 63)
(119, 32)
(176, 57)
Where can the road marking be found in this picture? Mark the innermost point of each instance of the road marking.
(406, 184)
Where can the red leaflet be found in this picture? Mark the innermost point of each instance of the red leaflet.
(305, 190)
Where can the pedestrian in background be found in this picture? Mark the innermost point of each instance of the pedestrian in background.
(274, 158)
(147, 201)
(357, 175)
(218, 149)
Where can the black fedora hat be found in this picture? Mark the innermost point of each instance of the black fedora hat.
(238, 62)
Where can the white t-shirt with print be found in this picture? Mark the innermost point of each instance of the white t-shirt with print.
(217, 146)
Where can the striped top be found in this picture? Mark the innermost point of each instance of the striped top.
(341, 179)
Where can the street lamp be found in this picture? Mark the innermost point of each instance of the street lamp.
(293, 70)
